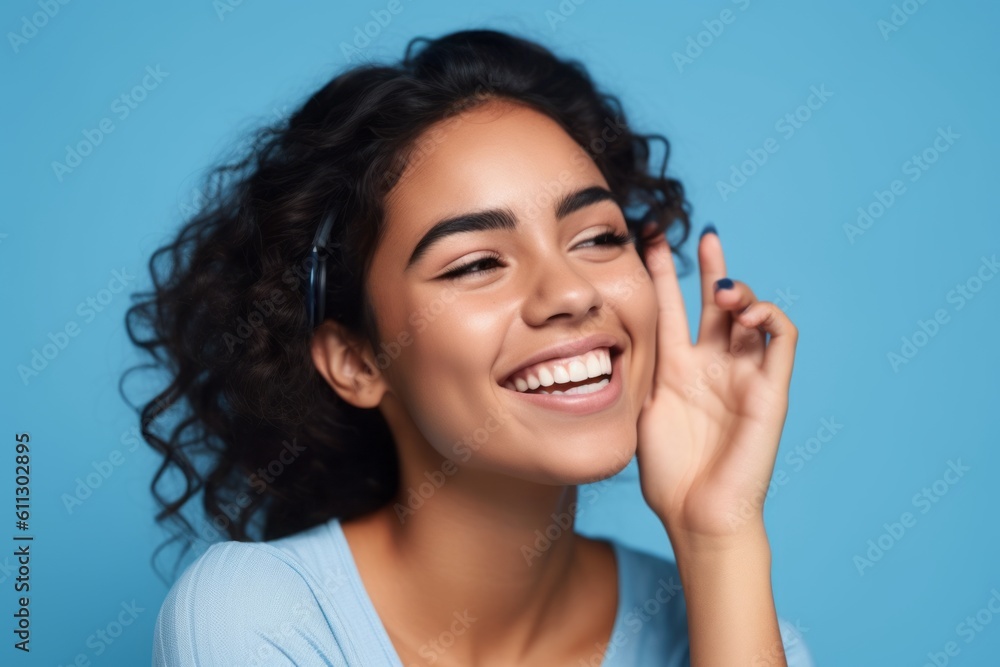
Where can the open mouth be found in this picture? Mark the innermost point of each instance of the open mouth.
(583, 374)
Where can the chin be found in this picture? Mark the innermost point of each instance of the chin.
(585, 463)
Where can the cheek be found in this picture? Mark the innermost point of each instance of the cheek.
(444, 372)
(630, 292)
(647, 313)
(634, 298)
(455, 337)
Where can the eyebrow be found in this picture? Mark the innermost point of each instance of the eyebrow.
(504, 218)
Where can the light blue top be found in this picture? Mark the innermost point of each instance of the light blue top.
(299, 600)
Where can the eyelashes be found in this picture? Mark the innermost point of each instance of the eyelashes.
(613, 238)
(492, 260)
(466, 269)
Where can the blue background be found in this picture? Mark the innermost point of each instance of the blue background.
(228, 67)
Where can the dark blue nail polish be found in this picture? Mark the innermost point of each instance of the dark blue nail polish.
(709, 229)
(723, 283)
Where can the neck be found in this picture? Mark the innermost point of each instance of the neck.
(495, 553)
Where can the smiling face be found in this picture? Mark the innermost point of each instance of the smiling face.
(540, 271)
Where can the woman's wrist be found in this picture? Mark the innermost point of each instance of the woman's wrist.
(727, 585)
(750, 540)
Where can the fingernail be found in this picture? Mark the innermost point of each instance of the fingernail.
(723, 283)
(709, 229)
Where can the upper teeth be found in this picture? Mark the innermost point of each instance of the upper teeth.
(571, 369)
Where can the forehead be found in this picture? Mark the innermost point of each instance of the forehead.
(496, 155)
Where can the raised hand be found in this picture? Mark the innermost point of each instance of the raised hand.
(710, 426)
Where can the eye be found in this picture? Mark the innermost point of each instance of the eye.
(492, 261)
(466, 269)
(611, 238)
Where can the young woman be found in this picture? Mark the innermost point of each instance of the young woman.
(405, 328)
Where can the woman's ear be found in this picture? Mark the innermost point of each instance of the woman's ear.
(346, 365)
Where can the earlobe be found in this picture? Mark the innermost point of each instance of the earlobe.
(341, 360)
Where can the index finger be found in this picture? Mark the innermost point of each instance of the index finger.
(672, 325)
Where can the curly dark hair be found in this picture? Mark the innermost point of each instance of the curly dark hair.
(226, 317)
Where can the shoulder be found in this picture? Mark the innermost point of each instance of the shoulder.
(654, 611)
(244, 603)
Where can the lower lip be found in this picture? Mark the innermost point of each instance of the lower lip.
(580, 404)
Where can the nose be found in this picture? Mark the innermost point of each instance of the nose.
(556, 289)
